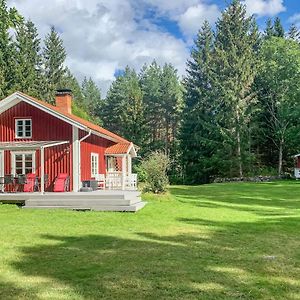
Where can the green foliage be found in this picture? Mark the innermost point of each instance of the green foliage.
(9, 19)
(155, 167)
(279, 78)
(123, 110)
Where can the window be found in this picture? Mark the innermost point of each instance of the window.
(94, 164)
(23, 128)
(23, 163)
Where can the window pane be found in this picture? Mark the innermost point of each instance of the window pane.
(19, 122)
(28, 157)
(27, 133)
(28, 122)
(29, 170)
(28, 164)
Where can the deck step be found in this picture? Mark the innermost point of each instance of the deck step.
(130, 208)
(81, 202)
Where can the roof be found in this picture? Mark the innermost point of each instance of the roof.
(120, 148)
(78, 120)
(30, 145)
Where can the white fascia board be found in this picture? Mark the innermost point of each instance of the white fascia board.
(132, 150)
(105, 136)
(16, 98)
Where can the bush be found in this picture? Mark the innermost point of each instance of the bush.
(155, 167)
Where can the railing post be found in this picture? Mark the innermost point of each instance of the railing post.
(123, 172)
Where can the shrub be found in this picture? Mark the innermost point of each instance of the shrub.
(155, 167)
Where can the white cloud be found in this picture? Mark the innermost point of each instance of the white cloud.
(102, 36)
(264, 7)
(192, 19)
(295, 19)
(189, 14)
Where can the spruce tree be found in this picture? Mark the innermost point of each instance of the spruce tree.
(28, 70)
(234, 73)
(54, 56)
(123, 110)
(9, 19)
(172, 105)
(269, 31)
(200, 138)
(278, 28)
(294, 33)
(91, 97)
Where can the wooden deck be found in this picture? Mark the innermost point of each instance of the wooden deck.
(97, 200)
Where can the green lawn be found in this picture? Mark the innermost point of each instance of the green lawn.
(219, 241)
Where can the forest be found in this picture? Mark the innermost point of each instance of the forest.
(235, 113)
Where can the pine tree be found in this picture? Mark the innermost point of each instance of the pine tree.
(54, 56)
(172, 104)
(28, 70)
(234, 73)
(278, 28)
(294, 33)
(150, 79)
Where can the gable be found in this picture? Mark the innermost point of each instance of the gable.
(18, 97)
(44, 125)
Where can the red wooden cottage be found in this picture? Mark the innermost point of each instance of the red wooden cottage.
(47, 140)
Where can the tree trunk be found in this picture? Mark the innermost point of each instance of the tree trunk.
(280, 158)
(239, 153)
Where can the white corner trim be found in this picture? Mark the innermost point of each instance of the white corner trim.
(76, 159)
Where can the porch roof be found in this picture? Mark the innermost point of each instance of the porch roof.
(30, 145)
(121, 149)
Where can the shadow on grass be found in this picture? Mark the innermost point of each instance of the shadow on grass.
(227, 261)
(9, 291)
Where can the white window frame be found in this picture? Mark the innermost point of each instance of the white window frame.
(24, 131)
(94, 164)
(23, 153)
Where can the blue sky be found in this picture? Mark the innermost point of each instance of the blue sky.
(103, 36)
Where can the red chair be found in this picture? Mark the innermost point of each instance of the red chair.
(61, 183)
(30, 183)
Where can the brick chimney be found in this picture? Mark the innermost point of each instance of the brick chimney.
(63, 99)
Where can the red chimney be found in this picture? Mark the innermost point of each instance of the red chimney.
(63, 99)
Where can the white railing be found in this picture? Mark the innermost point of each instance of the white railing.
(114, 181)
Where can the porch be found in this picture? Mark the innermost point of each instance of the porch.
(100, 200)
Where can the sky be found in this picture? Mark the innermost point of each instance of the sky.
(101, 37)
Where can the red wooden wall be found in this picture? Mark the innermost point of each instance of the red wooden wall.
(44, 128)
(93, 144)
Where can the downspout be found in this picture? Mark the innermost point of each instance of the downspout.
(85, 137)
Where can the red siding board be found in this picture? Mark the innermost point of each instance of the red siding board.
(93, 144)
(44, 128)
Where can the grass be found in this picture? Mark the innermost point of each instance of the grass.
(219, 241)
